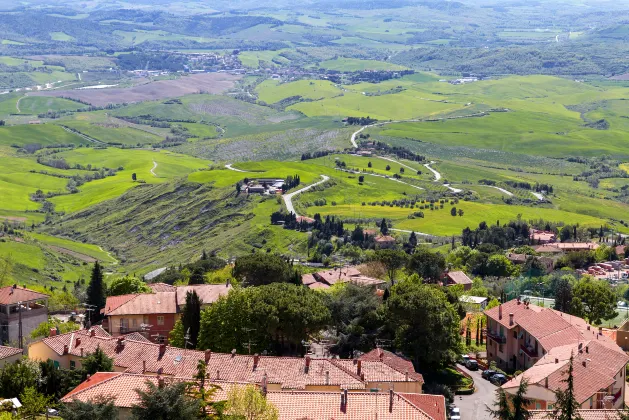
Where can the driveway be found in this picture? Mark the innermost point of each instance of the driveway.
(474, 407)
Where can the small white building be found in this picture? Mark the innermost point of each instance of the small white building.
(474, 303)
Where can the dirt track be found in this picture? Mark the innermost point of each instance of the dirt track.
(206, 82)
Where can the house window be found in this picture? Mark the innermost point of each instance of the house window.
(145, 319)
(550, 406)
(72, 364)
(515, 334)
(160, 320)
(538, 406)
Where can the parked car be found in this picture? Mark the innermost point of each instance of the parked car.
(498, 379)
(455, 413)
(488, 373)
(463, 360)
(471, 364)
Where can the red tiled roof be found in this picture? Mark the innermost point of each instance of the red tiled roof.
(162, 287)
(602, 364)
(433, 405)
(385, 238)
(152, 303)
(291, 405)
(459, 277)
(10, 295)
(584, 414)
(394, 361)
(133, 356)
(360, 406)
(547, 249)
(208, 293)
(91, 381)
(324, 279)
(8, 352)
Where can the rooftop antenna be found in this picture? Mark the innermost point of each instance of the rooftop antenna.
(186, 339)
(249, 342)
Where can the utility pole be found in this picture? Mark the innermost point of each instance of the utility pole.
(89, 309)
(19, 331)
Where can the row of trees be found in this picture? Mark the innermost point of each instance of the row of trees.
(277, 318)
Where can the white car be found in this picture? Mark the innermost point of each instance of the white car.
(455, 414)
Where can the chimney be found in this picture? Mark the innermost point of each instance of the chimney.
(588, 328)
(264, 384)
(89, 377)
(510, 319)
(143, 366)
(381, 355)
(65, 349)
(362, 376)
(518, 300)
(81, 351)
(160, 371)
(406, 375)
(390, 401)
(359, 367)
(92, 332)
(500, 311)
(160, 382)
(162, 349)
(343, 402)
(208, 355)
(587, 349)
(600, 330)
(546, 382)
(256, 359)
(233, 353)
(556, 360)
(307, 367)
(327, 377)
(218, 374)
(78, 342)
(584, 363)
(52, 332)
(345, 398)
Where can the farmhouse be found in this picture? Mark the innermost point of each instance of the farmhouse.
(9, 355)
(525, 336)
(327, 278)
(540, 237)
(385, 242)
(293, 405)
(454, 278)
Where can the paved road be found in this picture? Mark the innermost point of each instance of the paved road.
(474, 407)
(288, 198)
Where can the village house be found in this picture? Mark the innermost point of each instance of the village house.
(20, 307)
(385, 242)
(473, 303)
(291, 405)
(328, 278)
(9, 355)
(540, 237)
(376, 369)
(455, 278)
(524, 336)
(154, 314)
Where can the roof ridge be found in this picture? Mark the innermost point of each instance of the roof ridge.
(349, 372)
(135, 295)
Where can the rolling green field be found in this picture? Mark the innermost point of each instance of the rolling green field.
(272, 92)
(61, 36)
(44, 134)
(42, 104)
(352, 64)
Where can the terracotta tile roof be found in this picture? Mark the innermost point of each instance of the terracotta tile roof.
(595, 367)
(122, 387)
(308, 279)
(208, 293)
(162, 287)
(459, 277)
(584, 414)
(10, 295)
(8, 352)
(360, 406)
(394, 361)
(290, 372)
(547, 249)
(326, 278)
(433, 405)
(152, 303)
(292, 405)
(136, 336)
(575, 246)
(385, 238)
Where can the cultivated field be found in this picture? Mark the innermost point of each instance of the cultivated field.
(207, 82)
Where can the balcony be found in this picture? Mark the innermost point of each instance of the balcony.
(500, 339)
(530, 352)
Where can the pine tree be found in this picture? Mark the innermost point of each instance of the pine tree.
(191, 317)
(96, 292)
(512, 408)
(566, 406)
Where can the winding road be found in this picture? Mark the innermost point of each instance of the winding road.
(154, 167)
(288, 198)
(234, 169)
(438, 177)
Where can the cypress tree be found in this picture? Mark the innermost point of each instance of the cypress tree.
(96, 291)
(566, 407)
(191, 317)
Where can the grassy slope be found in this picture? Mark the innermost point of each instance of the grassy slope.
(271, 91)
